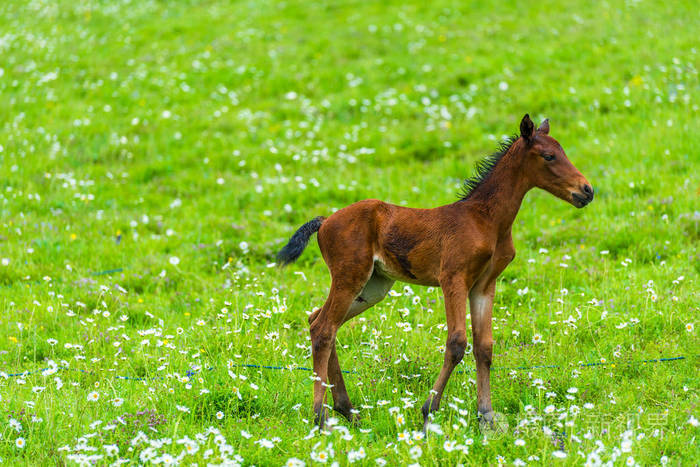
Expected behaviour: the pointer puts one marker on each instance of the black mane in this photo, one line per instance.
(484, 167)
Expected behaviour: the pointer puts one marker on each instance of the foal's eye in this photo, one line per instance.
(548, 157)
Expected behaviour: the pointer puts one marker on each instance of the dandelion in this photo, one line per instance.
(94, 396)
(20, 442)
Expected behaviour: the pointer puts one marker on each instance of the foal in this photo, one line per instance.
(461, 247)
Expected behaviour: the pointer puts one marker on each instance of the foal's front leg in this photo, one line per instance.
(481, 305)
(454, 289)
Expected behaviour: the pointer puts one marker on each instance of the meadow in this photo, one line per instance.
(154, 157)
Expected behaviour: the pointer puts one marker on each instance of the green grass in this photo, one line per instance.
(208, 131)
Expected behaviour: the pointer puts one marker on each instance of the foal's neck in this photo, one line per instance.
(500, 195)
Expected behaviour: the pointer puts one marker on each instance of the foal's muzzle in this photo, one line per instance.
(584, 197)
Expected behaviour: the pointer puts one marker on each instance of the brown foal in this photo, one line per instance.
(462, 247)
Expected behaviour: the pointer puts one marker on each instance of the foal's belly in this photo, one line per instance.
(400, 272)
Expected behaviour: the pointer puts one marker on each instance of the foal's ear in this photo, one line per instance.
(544, 127)
(527, 128)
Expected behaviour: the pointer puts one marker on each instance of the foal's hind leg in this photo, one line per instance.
(373, 292)
(348, 280)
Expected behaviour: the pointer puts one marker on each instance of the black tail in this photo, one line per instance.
(298, 242)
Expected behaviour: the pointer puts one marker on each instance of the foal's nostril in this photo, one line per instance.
(588, 190)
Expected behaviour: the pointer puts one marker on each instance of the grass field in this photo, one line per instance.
(154, 157)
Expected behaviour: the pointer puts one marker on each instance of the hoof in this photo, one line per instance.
(487, 417)
(320, 419)
(493, 424)
(349, 414)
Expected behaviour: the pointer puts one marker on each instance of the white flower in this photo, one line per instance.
(266, 443)
(94, 396)
(537, 339)
(219, 415)
(111, 449)
(16, 425)
(243, 246)
(449, 446)
(294, 462)
(434, 427)
(321, 457)
(356, 455)
(6, 261)
(559, 454)
(20, 442)
(415, 452)
(689, 327)
(174, 260)
(693, 421)
(520, 442)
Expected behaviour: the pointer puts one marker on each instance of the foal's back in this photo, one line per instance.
(401, 243)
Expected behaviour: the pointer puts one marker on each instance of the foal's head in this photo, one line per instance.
(548, 167)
